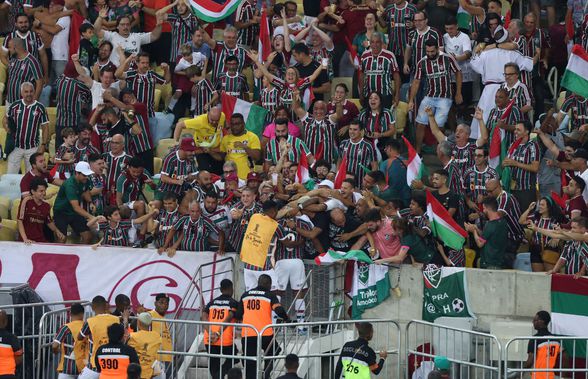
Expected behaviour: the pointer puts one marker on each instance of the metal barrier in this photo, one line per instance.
(23, 321)
(318, 349)
(46, 361)
(553, 356)
(473, 354)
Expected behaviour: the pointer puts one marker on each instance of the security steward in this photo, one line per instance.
(357, 359)
(113, 359)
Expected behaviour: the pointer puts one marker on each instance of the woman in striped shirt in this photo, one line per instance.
(544, 249)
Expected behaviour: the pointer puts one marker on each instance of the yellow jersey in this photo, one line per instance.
(96, 328)
(162, 328)
(238, 154)
(205, 134)
(146, 343)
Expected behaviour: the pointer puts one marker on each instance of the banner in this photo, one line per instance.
(72, 272)
(371, 286)
(445, 293)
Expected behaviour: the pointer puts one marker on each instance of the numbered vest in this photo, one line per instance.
(353, 368)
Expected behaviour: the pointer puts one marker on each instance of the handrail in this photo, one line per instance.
(47, 304)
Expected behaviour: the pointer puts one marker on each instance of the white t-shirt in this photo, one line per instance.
(197, 60)
(458, 45)
(584, 175)
(60, 43)
(131, 44)
(97, 92)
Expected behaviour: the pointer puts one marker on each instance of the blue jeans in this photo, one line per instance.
(160, 126)
(440, 106)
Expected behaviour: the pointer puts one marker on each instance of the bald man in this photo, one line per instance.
(319, 128)
(10, 350)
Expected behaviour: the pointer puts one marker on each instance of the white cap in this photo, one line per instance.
(327, 183)
(84, 168)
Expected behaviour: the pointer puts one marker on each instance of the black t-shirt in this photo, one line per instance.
(306, 71)
(121, 127)
(448, 200)
(114, 358)
(351, 223)
(322, 220)
(532, 346)
(290, 375)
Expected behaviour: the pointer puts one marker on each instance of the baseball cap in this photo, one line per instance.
(232, 177)
(327, 183)
(500, 34)
(145, 318)
(581, 153)
(442, 363)
(84, 168)
(188, 144)
(254, 176)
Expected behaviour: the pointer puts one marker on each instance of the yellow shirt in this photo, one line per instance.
(98, 328)
(204, 133)
(146, 344)
(163, 330)
(238, 155)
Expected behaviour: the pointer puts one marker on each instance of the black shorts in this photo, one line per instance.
(77, 223)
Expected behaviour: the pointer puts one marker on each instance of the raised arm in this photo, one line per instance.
(324, 36)
(434, 126)
(484, 136)
(98, 23)
(254, 58)
(472, 9)
(121, 70)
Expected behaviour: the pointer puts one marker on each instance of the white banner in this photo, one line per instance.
(72, 272)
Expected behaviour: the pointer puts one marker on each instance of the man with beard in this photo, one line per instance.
(22, 67)
(357, 152)
(34, 44)
(241, 146)
(320, 128)
(94, 197)
(201, 187)
(496, 117)
(82, 148)
(103, 62)
(38, 170)
(218, 214)
(176, 171)
(222, 49)
(295, 146)
(342, 224)
(116, 163)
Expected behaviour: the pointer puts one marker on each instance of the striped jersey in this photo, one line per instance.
(297, 252)
(525, 153)
(166, 220)
(232, 85)
(32, 40)
(175, 168)
(272, 153)
(515, 116)
(455, 180)
(464, 156)
(360, 156)
(220, 54)
(131, 187)
(219, 217)
(519, 92)
(117, 235)
(376, 122)
(239, 226)
(323, 53)
(182, 29)
(66, 341)
(377, 72)
(575, 254)
(437, 72)
(139, 143)
(83, 152)
(72, 96)
(285, 89)
(279, 235)
(539, 39)
(320, 132)
(28, 120)
(201, 95)
(245, 13)
(143, 85)
(395, 17)
(476, 26)
(195, 233)
(578, 110)
(509, 206)
(417, 43)
(27, 69)
(474, 181)
(63, 168)
(99, 200)
(269, 98)
(115, 166)
(523, 48)
(544, 223)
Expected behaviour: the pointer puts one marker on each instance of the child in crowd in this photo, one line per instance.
(182, 82)
(115, 229)
(65, 155)
(87, 53)
(202, 90)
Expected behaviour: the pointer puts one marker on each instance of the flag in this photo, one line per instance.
(332, 256)
(576, 75)
(74, 32)
(569, 310)
(498, 147)
(505, 176)
(463, 18)
(302, 175)
(341, 172)
(414, 165)
(307, 96)
(211, 11)
(445, 293)
(559, 200)
(443, 226)
(353, 53)
(253, 114)
(265, 44)
(370, 287)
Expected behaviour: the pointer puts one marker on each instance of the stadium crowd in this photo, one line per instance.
(148, 148)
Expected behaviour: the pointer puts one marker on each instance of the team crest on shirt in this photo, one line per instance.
(387, 237)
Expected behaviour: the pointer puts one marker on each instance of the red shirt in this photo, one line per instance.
(34, 217)
(25, 182)
(150, 21)
(577, 204)
(350, 112)
(355, 21)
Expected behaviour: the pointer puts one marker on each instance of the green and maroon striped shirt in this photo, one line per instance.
(526, 154)
(23, 70)
(72, 97)
(437, 72)
(513, 118)
(139, 143)
(239, 226)
(182, 29)
(166, 221)
(377, 72)
(417, 43)
(33, 43)
(220, 54)
(397, 32)
(117, 235)
(28, 120)
(202, 93)
(245, 13)
(196, 233)
(232, 85)
(272, 153)
(320, 132)
(175, 168)
(361, 153)
(376, 123)
(578, 109)
(575, 254)
(115, 166)
(143, 85)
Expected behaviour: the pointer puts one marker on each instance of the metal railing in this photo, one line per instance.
(553, 356)
(318, 349)
(23, 321)
(46, 362)
(472, 354)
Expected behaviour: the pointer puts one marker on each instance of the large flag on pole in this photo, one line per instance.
(498, 148)
(569, 310)
(253, 114)
(414, 164)
(576, 75)
(211, 11)
(443, 226)
(265, 44)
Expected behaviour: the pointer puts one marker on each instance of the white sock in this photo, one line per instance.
(172, 103)
(300, 307)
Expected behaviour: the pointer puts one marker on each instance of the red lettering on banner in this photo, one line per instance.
(63, 266)
(175, 300)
